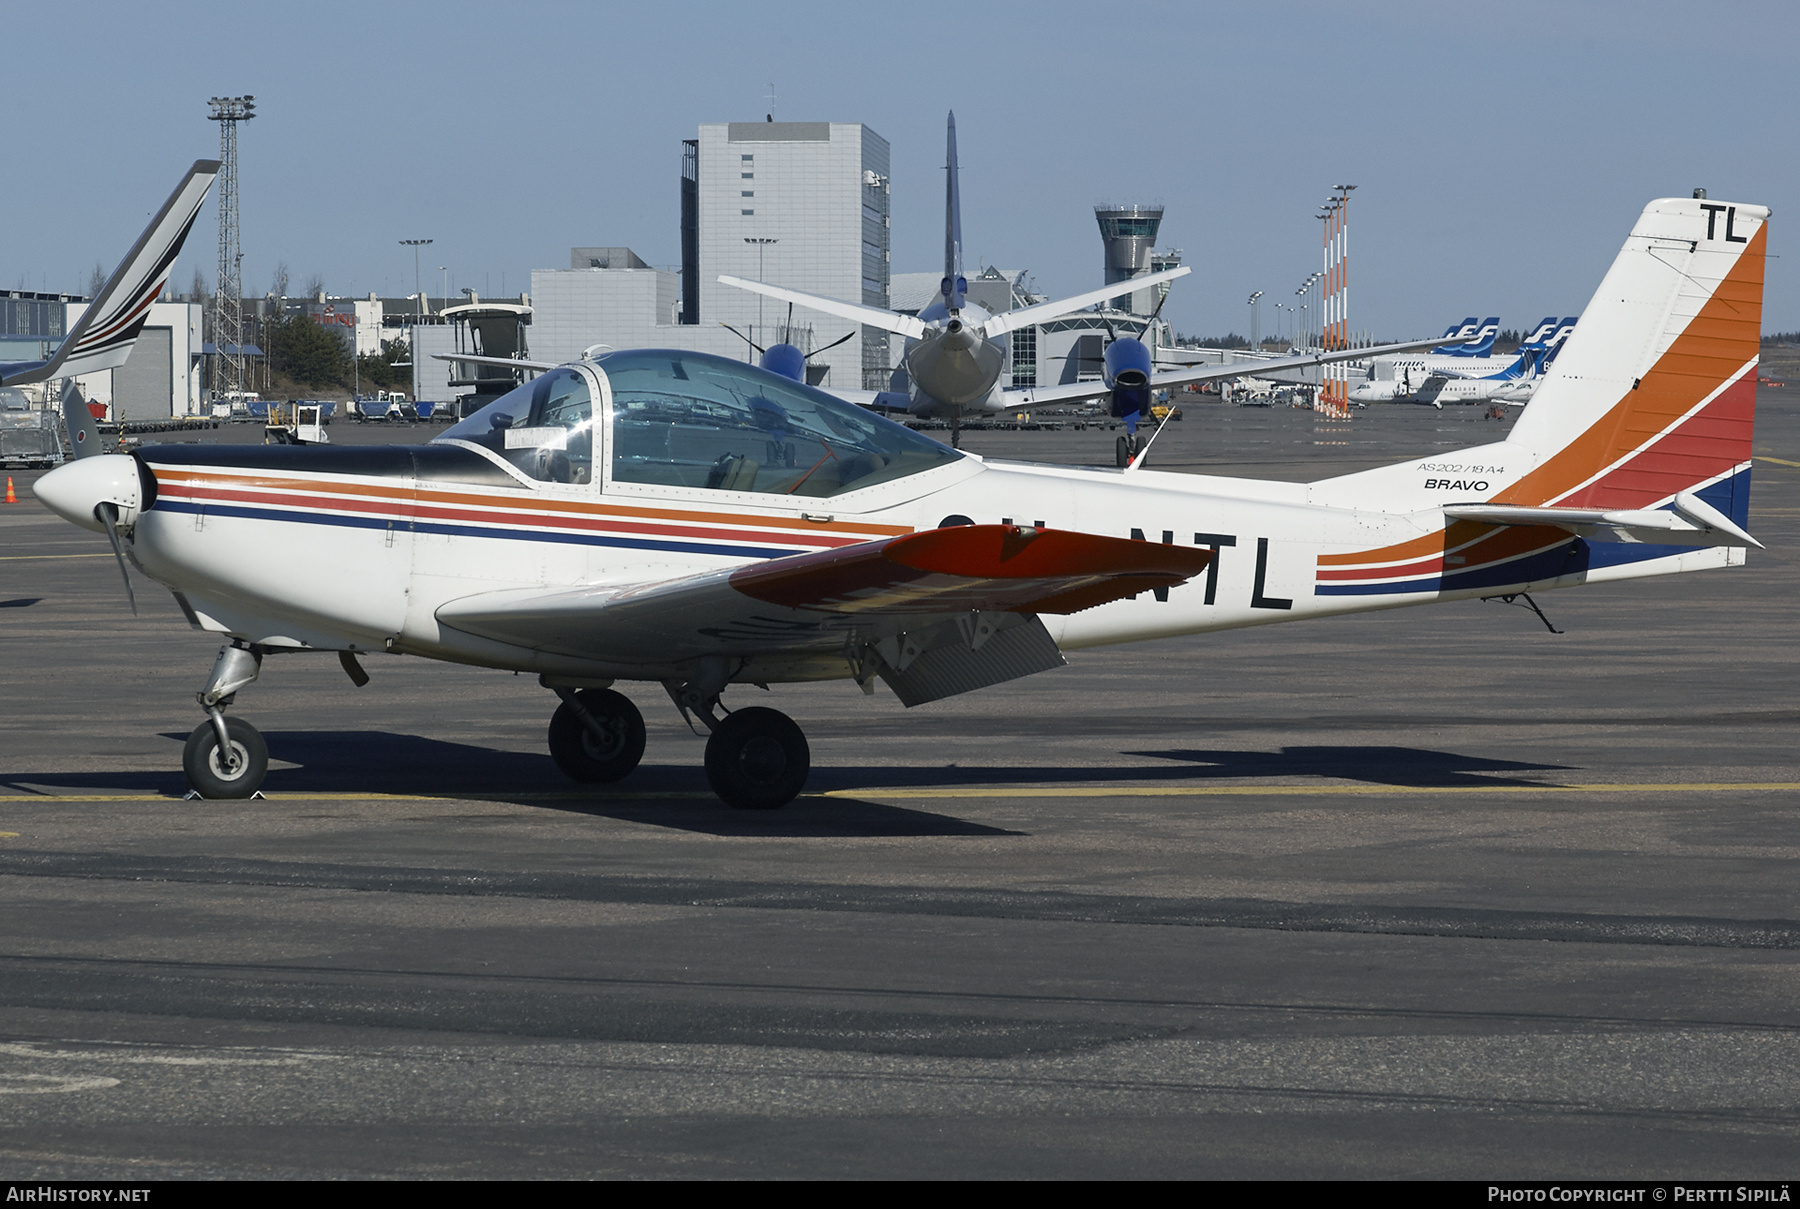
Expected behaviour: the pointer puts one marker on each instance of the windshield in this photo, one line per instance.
(695, 420)
(545, 428)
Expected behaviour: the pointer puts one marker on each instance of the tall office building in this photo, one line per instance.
(797, 204)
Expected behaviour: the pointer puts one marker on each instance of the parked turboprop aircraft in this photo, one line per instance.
(619, 519)
(955, 350)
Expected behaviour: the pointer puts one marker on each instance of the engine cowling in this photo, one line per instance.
(1127, 374)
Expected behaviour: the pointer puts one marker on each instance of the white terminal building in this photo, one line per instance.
(797, 204)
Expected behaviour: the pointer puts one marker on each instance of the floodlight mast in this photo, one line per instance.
(228, 293)
(762, 245)
(418, 290)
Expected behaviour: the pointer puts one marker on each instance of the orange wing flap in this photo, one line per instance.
(991, 568)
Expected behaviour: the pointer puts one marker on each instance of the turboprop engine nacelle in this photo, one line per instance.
(786, 360)
(1126, 369)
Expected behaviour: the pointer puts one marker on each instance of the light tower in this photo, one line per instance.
(762, 246)
(418, 290)
(228, 299)
(1336, 309)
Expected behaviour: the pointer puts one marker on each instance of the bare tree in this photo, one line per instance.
(197, 291)
(96, 280)
(279, 288)
(315, 285)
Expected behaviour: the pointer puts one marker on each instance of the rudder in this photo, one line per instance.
(1655, 392)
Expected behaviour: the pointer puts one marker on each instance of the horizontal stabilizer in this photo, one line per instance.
(1690, 521)
(904, 325)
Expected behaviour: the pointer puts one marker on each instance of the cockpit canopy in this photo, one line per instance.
(693, 420)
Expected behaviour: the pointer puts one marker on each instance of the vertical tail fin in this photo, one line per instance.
(1469, 338)
(1456, 334)
(1546, 328)
(1655, 393)
(84, 435)
(955, 286)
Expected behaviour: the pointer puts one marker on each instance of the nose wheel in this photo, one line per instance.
(757, 759)
(228, 765)
(226, 757)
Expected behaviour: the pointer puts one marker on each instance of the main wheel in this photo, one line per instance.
(757, 759)
(1122, 452)
(586, 757)
(237, 773)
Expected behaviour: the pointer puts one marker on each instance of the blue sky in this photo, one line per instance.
(1501, 152)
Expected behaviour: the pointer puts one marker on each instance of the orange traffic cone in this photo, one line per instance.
(10, 497)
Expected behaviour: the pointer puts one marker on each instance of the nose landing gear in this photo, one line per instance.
(229, 767)
(226, 757)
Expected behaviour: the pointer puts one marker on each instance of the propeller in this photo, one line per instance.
(753, 344)
(108, 513)
(833, 344)
(760, 349)
(1154, 315)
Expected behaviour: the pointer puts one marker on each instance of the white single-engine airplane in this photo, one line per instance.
(667, 516)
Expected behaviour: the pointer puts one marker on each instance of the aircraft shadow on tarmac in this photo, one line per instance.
(372, 762)
(375, 763)
(20, 602)
(1411, 767)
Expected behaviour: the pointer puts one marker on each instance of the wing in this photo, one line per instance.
(104, 335)
(506, 362)
(884, 401)
(1037, 396)
(922, 610)
(1044, 312)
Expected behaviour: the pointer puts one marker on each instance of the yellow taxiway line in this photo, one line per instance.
(943, 792)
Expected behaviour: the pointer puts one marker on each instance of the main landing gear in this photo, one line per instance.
(226, 757)
(756, 759)
(1128, 447)
(596, 735)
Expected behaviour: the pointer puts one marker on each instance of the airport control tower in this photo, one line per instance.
(1129, 232)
